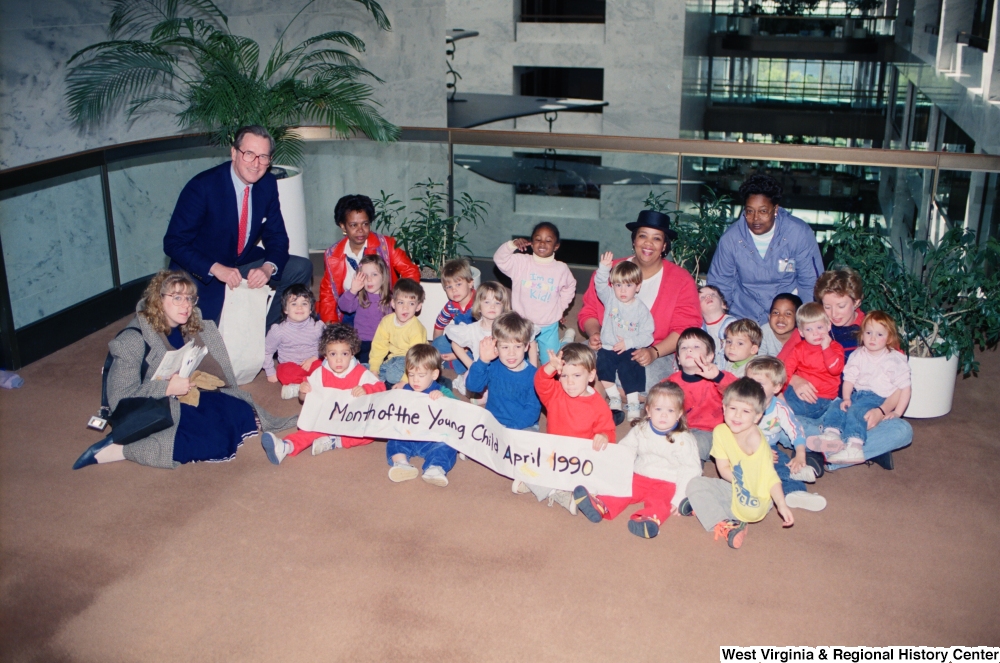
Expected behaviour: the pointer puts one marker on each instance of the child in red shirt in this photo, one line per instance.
(572, 408)
(338, 345)
(818, 360)
(702, 383)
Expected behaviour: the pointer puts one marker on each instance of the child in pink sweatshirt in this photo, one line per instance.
(542, 288)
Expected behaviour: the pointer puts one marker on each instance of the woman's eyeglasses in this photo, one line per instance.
(183, 299)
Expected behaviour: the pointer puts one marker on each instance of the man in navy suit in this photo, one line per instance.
(221, 215)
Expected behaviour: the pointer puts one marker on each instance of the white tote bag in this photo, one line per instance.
(242, 327)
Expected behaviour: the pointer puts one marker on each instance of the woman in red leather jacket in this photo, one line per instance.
(354, 215)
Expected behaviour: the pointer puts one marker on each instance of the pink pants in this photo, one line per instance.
(655, 494)
(303, 439)
(289, 373)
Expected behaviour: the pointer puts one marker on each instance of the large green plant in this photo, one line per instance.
(944, 295)
(179, 56)
(698, 231)
(429, 235)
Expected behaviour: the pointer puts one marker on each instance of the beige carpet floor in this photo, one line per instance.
(323, 559)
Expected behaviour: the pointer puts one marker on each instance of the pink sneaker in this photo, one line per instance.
(824, 443)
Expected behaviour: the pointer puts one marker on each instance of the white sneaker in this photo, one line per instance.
(568, 336)
(274, 447)
(519, 487)
(322, 444)
(400, 472)
(800, 499)
(458, 385)
(806, 474)
(435, 476)
(290, 391)
(614, 402)
(462, 457)
(563, 498)
(852, 454)
(633, 412)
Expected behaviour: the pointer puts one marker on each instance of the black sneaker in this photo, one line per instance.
(645, 528)
(884, 461)
(684, 508)
(815, 460)
(618, 416)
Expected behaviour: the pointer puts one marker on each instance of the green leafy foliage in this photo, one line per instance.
(698, 231)
(179, 56)
(428, 234)
(944, 296)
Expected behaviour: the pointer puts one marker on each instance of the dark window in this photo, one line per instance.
(982, 18)
(575, 251)
(956, 140)
(559, 179)
(562, 11)
(572, 82)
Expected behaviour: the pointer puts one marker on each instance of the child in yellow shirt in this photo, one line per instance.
(398, 332)
(749, 483)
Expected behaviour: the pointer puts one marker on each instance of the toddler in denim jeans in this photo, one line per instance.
(873, 373)
(818, 360)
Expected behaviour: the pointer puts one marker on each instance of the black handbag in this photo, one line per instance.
(134, 418)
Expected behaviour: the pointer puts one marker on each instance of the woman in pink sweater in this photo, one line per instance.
(542, 288)
(667, 290)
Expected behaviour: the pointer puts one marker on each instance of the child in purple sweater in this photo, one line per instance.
(295, 339)
(369, 299)
(542, 288)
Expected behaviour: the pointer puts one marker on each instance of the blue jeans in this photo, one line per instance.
(788, 485)
(433, 453)
(631, 375)
(888, 436)
(800, 407)
(443, 346)
(852, 423)
(391, 370)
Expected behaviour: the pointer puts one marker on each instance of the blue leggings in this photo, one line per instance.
(433, 453)
(443, 346)
(548, 339)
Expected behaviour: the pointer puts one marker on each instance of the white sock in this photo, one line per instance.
(633, 398)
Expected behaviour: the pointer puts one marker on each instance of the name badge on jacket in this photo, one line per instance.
(786, 265)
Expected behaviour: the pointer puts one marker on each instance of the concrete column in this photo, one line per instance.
(956, 16)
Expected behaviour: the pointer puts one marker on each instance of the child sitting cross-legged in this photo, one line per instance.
(742, 344)
(627, 325)
(492, 299)
(572, 408)
(338, 345)
(510, 378)
(423, 367)
(457, 281)
(702, 383)
(666, 460)
(294, 338)
(715, 313)
(743, 459)
(398, 332)
(781, 426)
(873, 373)
(817, 361)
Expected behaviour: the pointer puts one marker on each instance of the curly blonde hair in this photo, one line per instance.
(164, 283)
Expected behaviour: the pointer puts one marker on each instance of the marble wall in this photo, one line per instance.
(55, 244)
(37, 38)
(640, 49)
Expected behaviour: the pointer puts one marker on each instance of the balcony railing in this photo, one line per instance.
(80, 235)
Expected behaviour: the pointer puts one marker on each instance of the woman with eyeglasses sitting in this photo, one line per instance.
(208, 425)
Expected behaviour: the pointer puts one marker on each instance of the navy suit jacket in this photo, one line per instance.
(204, 227)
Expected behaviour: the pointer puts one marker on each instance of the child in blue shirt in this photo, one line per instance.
(510, 378)
(780, 425)
(423, 367)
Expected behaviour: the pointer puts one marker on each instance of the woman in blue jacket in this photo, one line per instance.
(767, 251)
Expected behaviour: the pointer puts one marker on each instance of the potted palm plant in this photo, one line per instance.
(944, 296)
(179, 57)
(430, 236)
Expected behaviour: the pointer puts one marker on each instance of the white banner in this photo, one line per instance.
(552, 461)
(242, 328)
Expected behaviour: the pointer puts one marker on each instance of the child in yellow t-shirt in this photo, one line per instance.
(398, 332)
(743, 458)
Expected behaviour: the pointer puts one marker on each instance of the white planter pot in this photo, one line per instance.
(933, 386)
(293, 210)
(435, 299)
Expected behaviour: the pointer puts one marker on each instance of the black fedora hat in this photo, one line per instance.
(651, 219)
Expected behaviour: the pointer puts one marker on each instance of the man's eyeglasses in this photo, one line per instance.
(250, 157)
(183, 299)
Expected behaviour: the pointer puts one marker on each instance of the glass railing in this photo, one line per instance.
(81, 235)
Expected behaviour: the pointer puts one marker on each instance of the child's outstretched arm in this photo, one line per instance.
(778, 496)
(505, 258)
(555, 363)
(726, 470)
